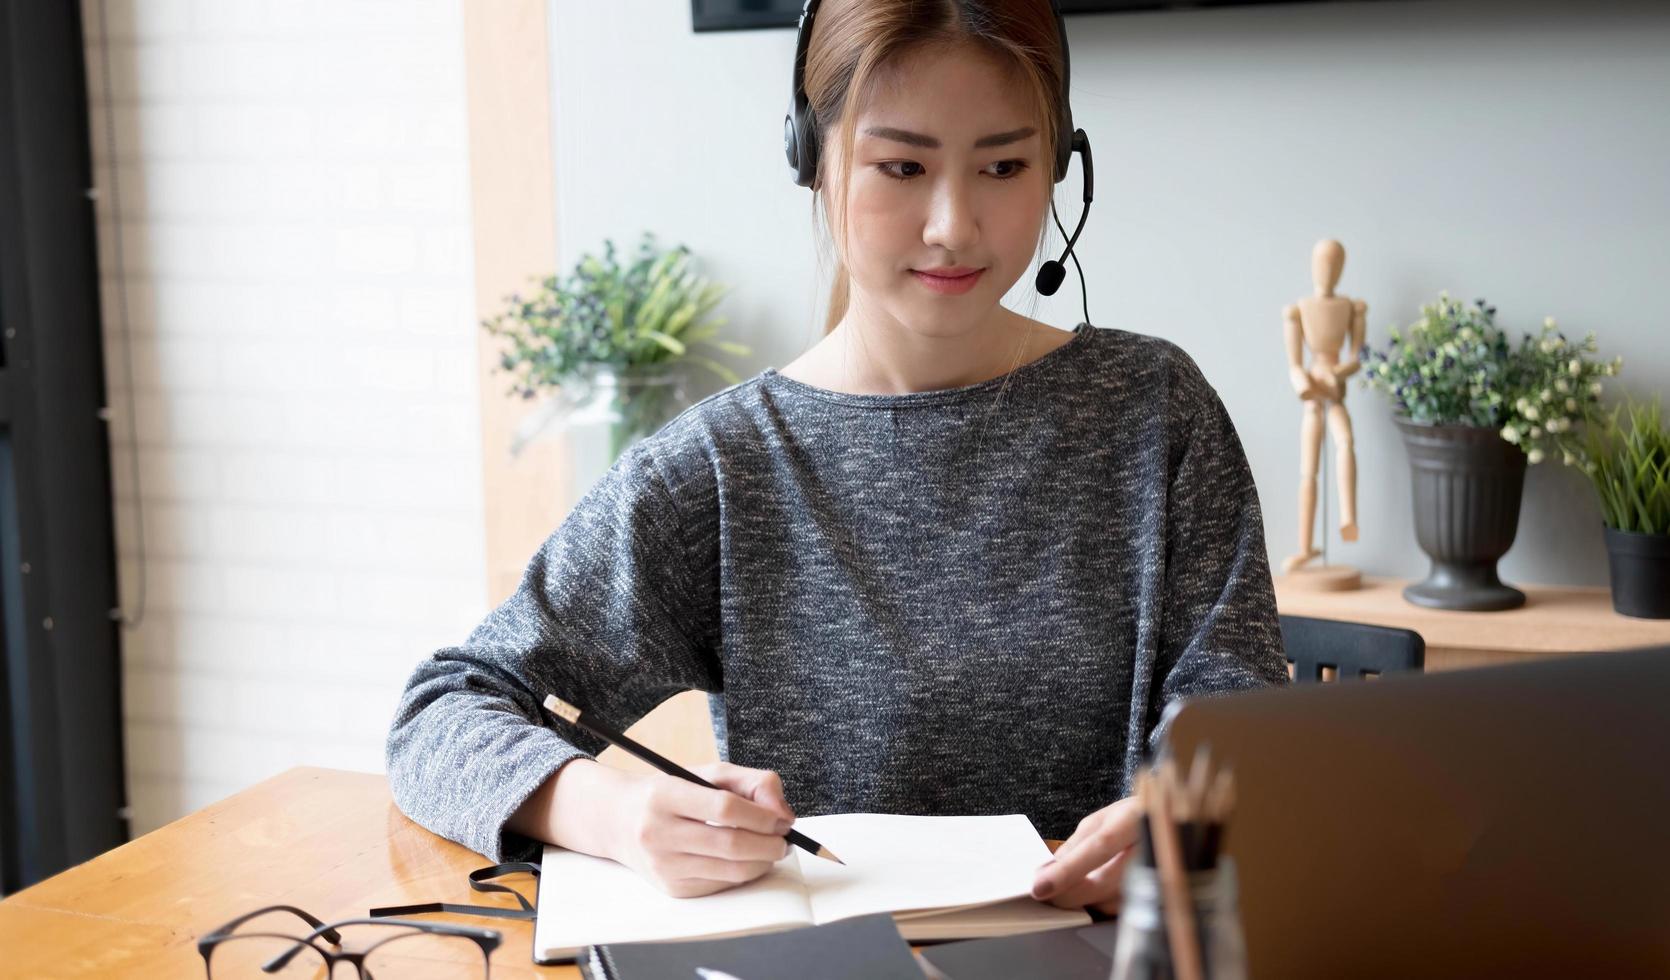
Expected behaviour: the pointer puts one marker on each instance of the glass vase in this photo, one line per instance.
(602, 413)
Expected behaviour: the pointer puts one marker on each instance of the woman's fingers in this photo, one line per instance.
(1099, 838)
(761, 786)
(719, 806)
(1100, 886)
(691, 839)
(697, 837)
(716, 869)
(732, 834)
(1065, 873)
(687, 867)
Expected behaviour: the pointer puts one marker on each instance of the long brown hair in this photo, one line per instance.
(854, 41)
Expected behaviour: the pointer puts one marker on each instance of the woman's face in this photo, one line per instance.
(948, 170)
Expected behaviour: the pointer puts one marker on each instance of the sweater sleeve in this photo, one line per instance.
(608, 616)
(1221, 631)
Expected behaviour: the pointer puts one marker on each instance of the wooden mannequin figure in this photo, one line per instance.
(1324, 323)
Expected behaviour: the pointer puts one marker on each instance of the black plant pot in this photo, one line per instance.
(1640, 565)
(1468, 482)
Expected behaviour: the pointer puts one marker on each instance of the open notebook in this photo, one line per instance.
(940, 877)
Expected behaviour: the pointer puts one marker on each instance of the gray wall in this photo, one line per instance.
(1516, 152)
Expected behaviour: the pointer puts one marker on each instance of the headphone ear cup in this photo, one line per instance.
(791, 147)
(811, 150)
(800, 143)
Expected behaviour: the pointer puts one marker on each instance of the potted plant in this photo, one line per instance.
(1474, 410)
(607, 346)
(1630, 470)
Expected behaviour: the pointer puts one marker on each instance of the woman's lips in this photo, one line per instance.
(950, 286)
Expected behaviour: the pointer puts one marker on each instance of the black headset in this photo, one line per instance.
(800, 144)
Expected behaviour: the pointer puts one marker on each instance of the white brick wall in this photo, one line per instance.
(295, 234)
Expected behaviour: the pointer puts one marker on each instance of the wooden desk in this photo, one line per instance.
(1554, 620)
(324, 840)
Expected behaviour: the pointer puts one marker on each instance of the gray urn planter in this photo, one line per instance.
(1467, 482)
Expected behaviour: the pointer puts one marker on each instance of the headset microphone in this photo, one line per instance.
(1051, 273)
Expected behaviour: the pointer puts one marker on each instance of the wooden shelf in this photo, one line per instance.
(1554, 620)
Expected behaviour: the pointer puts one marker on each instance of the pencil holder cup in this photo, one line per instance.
(1140, 949)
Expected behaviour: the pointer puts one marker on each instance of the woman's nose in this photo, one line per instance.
(953, 222)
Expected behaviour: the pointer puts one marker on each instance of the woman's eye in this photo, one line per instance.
(887, 169)
(1015, 168)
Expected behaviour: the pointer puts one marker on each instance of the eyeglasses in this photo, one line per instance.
(268, 943)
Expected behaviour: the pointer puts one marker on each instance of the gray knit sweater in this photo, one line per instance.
(970, 600)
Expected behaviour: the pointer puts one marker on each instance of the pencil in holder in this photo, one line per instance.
(1180, 915)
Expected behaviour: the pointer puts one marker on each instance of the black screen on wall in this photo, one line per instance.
(738, 15)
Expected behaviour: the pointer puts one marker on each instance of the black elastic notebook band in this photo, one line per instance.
(480, 880)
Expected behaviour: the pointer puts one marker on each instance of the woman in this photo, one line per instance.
(950, 560)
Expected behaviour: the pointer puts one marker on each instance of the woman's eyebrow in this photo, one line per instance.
(918, 139)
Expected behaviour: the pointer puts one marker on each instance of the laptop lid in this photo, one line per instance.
(1509, 820)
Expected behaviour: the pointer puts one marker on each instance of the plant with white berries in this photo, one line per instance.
(1455, 366)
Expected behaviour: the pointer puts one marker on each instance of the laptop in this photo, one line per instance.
(1501, 821)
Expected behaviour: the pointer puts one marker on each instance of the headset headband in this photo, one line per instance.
(800, 134)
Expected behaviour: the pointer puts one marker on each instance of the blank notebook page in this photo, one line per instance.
(897, 863)
(913, 866)
(585, 899)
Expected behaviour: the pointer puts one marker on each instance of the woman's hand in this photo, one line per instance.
(666, 828)
(1088, 867)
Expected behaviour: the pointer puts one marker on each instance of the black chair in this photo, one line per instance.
(1354, 650)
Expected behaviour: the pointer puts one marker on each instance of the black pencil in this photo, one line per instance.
(569, 713)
